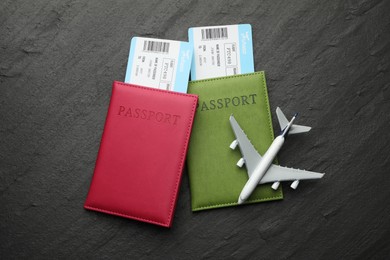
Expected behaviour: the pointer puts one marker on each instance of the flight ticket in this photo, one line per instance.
(221, 51)
(158, 63)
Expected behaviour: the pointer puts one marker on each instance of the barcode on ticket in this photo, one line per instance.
(154, 46)
(214, 33)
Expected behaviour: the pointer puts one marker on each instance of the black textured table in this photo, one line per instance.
(329, 60)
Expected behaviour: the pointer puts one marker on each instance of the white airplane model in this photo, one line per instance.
(260, 169)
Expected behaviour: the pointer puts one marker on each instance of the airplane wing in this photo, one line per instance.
(278, 173)
(249, 153)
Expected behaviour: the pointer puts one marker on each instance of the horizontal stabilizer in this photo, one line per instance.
(283, 122)
(297, 129)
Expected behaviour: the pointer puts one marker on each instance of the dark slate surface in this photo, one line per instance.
(329, 60)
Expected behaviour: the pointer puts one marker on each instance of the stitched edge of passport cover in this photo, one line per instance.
(276, 194)
(180, 162)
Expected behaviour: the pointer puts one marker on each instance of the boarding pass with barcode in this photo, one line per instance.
(157, 63)
(221, 51)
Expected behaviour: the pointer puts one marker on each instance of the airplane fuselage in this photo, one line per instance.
(265, 163)
(261, 168)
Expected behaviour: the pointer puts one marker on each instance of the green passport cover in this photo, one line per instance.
(215, 180)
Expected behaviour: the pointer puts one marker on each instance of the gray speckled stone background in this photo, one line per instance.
(329, 60)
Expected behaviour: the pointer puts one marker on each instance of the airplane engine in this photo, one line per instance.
(240, 162)
(294, 185)
(233, 145)
(275, 186)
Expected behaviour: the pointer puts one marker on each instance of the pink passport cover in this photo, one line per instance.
(142, 152)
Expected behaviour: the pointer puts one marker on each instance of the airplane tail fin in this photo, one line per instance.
(283, 122)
